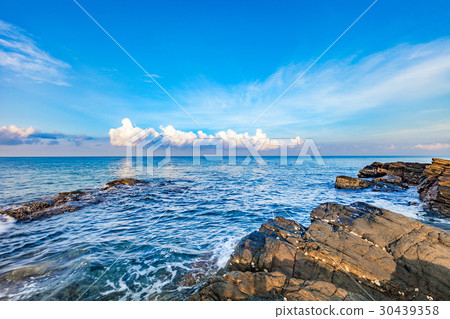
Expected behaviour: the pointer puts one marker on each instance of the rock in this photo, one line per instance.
(347, 182)
(396, 180)
(434, 187)
(388, 187)
(355, 252)
(410, 173)
(125, 181)
(63, 202)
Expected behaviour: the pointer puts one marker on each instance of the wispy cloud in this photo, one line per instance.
(433, 147)
(20, 56)
(334, 91)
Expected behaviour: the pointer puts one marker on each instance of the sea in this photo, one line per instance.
(160, 241)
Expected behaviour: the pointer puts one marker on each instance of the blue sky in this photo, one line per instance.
(382, 89)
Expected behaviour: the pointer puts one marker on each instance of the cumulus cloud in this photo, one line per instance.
(433, 147)
(13, 135)
(121, 136)
(20, 56)
(128, 135)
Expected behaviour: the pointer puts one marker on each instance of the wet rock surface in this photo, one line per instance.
(434, 187)
(409, 173)
(355, 252)
(347, 182)
(125, 181)
(63, 202)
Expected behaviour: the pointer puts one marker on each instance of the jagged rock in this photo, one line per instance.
(410, 173)
(125, 181)
(355, 252)
(347, 182)
(434, 187)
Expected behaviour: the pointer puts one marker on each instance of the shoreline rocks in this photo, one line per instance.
(347, 182)
(409, 173)
(433, 181)
(355, 252)
(434, 187)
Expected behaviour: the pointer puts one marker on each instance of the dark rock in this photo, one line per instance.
(388, 187)
(125, 181)
(434, 187)
(347, 182)
(356, 252)
(410, 173)
(63, 202)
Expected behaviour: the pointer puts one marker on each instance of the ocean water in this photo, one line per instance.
(148, 242)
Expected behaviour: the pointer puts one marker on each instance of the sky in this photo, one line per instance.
(67, 88)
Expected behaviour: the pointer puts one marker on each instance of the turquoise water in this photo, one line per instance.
(143, 242)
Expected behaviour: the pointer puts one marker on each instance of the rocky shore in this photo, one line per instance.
(433, 181)
(355, 252)
(434, 186)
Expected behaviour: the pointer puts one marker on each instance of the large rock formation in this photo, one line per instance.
(410, 173)
(356, 252)
(434, 187)
(347, 182)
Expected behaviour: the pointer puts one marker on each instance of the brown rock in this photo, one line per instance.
(434, 187)
(347, 182)
(410, 173)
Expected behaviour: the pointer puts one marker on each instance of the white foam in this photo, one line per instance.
(224, 251)
(6, 222)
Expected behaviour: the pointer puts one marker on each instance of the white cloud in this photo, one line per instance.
(127, 135)
(20, 56)
(433, 147)
(12, 135)
(121, 136)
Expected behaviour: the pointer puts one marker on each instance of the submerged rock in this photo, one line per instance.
(434, 187)
(388, 187)
(125, 181)
(410, 173)
(347, 182)
(63, 202)
(355, 252)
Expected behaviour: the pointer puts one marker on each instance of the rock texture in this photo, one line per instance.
(410, 173)
(434, 187)
(347, 182)
(355, 252)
